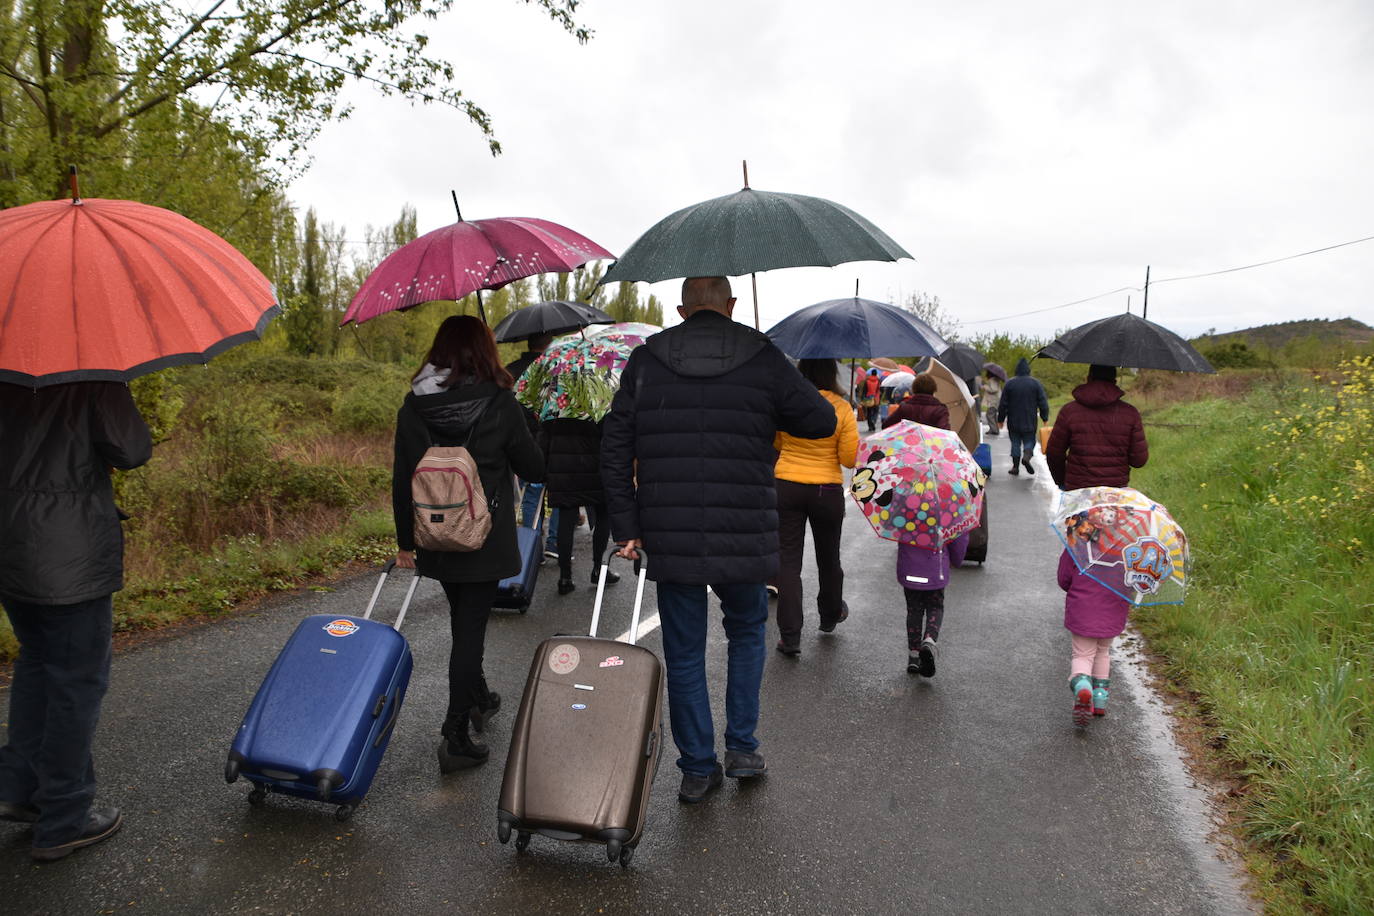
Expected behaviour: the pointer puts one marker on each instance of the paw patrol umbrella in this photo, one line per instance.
(918, 485)
(1126, 541)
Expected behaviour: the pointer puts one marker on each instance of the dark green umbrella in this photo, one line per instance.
(1127, 340)
(751, 231)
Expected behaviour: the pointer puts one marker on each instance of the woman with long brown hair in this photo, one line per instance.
(462, 396)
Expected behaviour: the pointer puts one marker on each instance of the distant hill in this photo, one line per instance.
(1274, 336)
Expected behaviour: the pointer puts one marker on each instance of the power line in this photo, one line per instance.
(1136, 289)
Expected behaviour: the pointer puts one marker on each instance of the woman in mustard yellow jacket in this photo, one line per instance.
(810, 481)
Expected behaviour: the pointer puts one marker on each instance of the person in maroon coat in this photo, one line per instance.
(1097, 437)
(922, 406)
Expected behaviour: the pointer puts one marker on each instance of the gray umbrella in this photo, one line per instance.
(1127, 340)
(751, 231)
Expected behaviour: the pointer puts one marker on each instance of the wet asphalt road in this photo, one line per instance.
(967, 793)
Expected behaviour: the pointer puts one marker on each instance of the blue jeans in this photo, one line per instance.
(682, 608)
(60, 678)
(529, 504)
(1022, 443)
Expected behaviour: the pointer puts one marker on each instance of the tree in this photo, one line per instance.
(264, 76)
(928, 309)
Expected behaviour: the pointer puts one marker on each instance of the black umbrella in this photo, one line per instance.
(1127, 340)
(552, 317)
(751, 231)
(964, 361)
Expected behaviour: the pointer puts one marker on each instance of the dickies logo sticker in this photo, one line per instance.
(341, 627)
(615, 661)
(564, 659)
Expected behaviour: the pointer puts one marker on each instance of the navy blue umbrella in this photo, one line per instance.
(855, 328)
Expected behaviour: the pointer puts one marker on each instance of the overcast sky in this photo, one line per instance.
(1027, 155)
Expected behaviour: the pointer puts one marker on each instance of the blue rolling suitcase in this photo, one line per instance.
(516, 592)
(324, 714)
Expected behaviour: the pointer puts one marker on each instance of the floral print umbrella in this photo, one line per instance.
(918, 485)
(1126, 541)
(577, 376)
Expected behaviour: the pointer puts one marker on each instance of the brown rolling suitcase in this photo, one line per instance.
(586, 742)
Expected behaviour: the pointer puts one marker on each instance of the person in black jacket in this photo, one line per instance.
(462, 396)
(687, 459)
(572, 451)
(1022, 398)
(61, 561)
(529, 501)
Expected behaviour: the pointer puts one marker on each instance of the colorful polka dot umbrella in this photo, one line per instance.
(918, 485)
(1126, 541)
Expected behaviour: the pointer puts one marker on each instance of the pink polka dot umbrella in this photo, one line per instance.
(918, 485)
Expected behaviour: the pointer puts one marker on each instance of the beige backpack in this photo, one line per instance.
(449, 504)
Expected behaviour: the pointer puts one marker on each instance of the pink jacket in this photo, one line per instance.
(1090, 608)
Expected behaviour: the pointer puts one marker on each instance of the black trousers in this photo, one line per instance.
(469, 606)
(821, 506)
(567, 525)
(60, 678)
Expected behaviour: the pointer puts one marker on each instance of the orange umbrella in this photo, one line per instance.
(94, 290)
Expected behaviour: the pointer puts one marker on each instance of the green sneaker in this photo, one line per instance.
(1100, 685)
(1082, 687)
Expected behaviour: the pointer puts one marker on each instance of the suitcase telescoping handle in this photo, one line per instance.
(405, 605)
(641, 561)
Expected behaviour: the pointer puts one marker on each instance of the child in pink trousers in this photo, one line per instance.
(1095, 616)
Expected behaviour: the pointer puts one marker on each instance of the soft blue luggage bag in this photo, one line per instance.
(321, 721)
(982, 456)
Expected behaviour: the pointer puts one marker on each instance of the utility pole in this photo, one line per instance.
(1145, 306)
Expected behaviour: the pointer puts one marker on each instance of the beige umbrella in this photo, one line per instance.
(954, 394)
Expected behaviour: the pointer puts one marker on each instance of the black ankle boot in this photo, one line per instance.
(565, 586)
(480, 714)
(457, 751)
(1015, 467)
(1027, 462)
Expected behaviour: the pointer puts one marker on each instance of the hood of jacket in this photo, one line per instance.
(450, 415)
(1097, 393)
(1023, 366)
(706, 345)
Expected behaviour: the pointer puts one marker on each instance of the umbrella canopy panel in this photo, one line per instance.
(852, 328)
(552, 317)
(954, 394)
(1127, 340)
(751, 231)
(963, 360)
(95, 289)
(457, 260)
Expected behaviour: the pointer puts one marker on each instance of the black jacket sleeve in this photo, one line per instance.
(618, 453)
(118, 433)
(411, 442)
(523, 453)
(802, 410)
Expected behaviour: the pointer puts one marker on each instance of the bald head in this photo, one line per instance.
(706, 293)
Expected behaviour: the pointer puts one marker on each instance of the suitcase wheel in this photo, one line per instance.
(503, 832)
(344, 812)
(522, 839)
(524, 608)
(626, 854)
(257, 796)
(614, 850)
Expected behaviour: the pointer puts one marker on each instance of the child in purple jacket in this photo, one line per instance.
(1095, 616)
(923, 575)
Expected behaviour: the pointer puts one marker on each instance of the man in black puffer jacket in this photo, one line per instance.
(61, 561)
(687, 459)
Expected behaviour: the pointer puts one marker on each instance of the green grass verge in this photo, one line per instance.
(1276, 641)
(240, 570)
